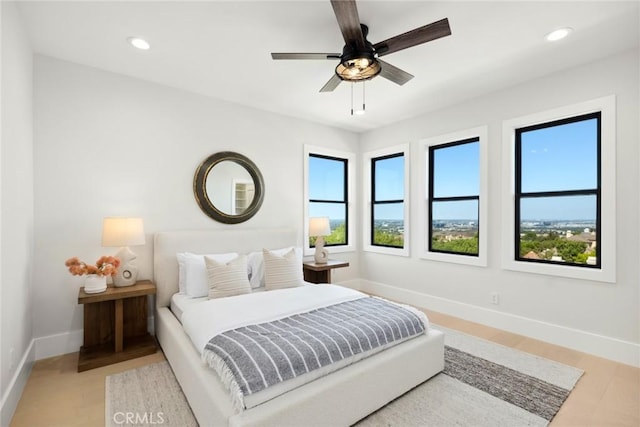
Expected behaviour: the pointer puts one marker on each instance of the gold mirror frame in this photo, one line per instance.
(200, 187)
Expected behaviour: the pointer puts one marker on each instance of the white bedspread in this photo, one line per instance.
(204, 320)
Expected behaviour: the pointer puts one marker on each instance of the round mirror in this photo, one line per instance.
(228, 187)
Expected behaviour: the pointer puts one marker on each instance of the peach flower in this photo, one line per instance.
(105, 266)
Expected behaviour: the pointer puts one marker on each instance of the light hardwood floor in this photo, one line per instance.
(608, 394)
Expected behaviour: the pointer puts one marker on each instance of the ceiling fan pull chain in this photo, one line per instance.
(358, 112)
(352, 84)
(363, 109)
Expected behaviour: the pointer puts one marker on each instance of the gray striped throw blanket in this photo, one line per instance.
(259, 356)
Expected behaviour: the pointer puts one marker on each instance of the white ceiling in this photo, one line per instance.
(222, 49)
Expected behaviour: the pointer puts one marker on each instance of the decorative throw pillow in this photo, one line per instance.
(282, 271)
(255, 261)
(193, 272)
(227, 279)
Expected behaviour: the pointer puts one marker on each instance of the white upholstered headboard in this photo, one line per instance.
(168, 243)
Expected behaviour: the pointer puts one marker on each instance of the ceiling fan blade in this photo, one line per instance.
(349, 22)
(305, 55)
(424, 34)
(331, 84)
(393, 73)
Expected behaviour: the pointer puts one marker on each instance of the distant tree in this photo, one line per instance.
(338, 235)
(381, 237)
(527, 246)
(464, 246)
(552, 236)
(582, 258)
(571, 251)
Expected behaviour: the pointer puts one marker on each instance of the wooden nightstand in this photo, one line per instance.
(321, 273)
(115, 325)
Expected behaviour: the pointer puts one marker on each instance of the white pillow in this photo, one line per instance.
(227, 279)
(194, 273)
(255, 262)
(282, 272)
(182, 272)
(255, 266)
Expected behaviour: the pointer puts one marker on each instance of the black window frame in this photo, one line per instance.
(432, 199)
(597, 192)
(345, 201)
(375, 202)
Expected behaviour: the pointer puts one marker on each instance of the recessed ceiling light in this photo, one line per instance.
(558, 34)
(139, 43)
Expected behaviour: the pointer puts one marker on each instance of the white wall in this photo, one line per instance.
(529, 303)
(106, 144)
(16, 200)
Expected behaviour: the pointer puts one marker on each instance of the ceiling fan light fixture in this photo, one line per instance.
(361, 67)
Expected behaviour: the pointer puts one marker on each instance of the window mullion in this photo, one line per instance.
(585, 192)
(454, 198)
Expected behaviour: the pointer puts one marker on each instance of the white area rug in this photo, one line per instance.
(146, 396)
(484, 384)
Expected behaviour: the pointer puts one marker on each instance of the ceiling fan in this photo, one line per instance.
(360, 59)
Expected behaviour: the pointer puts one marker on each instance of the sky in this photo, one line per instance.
(553, 159)
(556, 159)
(326, 182)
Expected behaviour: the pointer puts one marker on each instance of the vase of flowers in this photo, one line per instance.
(95, 275)
(94, 284)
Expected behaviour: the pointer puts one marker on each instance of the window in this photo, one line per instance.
(562, 191)
(387, 198)
(454, 208)
(454, 197)
(328, 186)
(557, 188)
(387, 175)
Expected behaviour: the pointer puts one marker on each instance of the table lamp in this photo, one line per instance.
(319, 227)
(124, 232)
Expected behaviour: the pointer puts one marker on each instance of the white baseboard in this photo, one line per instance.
(599, 345)
(14, 390)
(68, 342)
(57, 344)
(353, 284)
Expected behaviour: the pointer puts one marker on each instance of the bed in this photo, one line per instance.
(352, 392)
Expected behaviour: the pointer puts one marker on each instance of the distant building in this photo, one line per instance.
(588, 237)
(532, 255)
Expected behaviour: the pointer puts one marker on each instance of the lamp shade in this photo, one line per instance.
(122, 232)
(319, 226)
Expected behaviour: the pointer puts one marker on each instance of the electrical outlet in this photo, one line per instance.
(495, 298)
